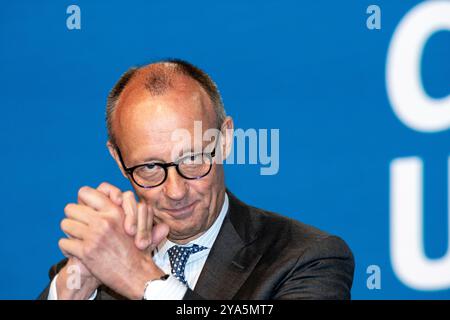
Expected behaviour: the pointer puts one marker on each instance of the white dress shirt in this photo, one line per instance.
(172, 288)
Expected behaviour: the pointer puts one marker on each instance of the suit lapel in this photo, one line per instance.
(232, 257)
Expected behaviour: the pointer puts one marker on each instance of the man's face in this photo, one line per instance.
(144, 127)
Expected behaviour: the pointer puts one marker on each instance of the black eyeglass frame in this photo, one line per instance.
(165, 167)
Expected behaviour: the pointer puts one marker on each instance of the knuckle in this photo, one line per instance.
(83, 190)
(68, 208)
(114, 213)
(129, 194)
(142, 235)
(61, 243)
(88, 250)
(133, 219)
(105, 226)
(91, 245)
(63, 224)
(103, 185)
(128, 222)
(142, 206)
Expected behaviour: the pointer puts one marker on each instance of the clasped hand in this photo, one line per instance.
(109, 240)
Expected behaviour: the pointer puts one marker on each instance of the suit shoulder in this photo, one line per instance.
(277, 223)
(292, 234)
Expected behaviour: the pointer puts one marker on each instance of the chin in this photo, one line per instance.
(181, 234)
(187, 228)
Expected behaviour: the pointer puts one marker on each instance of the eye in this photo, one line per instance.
(192, 159)
(149, 166)
(148, 170)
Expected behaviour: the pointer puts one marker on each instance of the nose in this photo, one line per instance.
(175, 186)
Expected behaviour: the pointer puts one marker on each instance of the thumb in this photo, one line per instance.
(159, 233)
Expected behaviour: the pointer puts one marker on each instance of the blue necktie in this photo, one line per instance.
(179, 256)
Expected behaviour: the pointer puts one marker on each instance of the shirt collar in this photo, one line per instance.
(206, 240)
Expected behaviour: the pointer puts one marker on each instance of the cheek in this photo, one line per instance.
(148, 196)
(211, 182)
(203, 191)
(206, 193)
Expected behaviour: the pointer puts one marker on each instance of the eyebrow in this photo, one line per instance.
(152, 160)
(184, 152)
(202, 149)
(191, 151)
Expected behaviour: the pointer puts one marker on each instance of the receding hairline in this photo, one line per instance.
(159, 77)
(181, 87)
(161, 82)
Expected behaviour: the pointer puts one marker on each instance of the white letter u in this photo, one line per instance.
(406, 234)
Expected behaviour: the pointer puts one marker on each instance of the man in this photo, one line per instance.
(188, 237)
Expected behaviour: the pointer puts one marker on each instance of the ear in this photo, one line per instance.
(114, 154)
(227, 132)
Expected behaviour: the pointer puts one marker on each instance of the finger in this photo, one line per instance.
(94, 199)
(80, 213)
(143, 236)
(159, 233)
(80, 201)
(149, 226)
(112, 192)
(73, 228)
(72, 247)
(130, 208)
(150, 220)
(65, 254)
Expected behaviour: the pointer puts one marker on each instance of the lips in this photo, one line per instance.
(182, 212)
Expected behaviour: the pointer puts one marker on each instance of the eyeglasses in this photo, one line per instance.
(153, 174)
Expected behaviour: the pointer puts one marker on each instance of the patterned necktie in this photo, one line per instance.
(179, 256)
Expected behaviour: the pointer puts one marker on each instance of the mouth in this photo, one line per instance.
(183, 212)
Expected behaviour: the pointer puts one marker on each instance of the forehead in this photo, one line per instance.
(145, 124)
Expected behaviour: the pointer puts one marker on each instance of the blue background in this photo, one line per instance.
(311, 69)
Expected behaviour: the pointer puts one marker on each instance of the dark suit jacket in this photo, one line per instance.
(262, 255)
